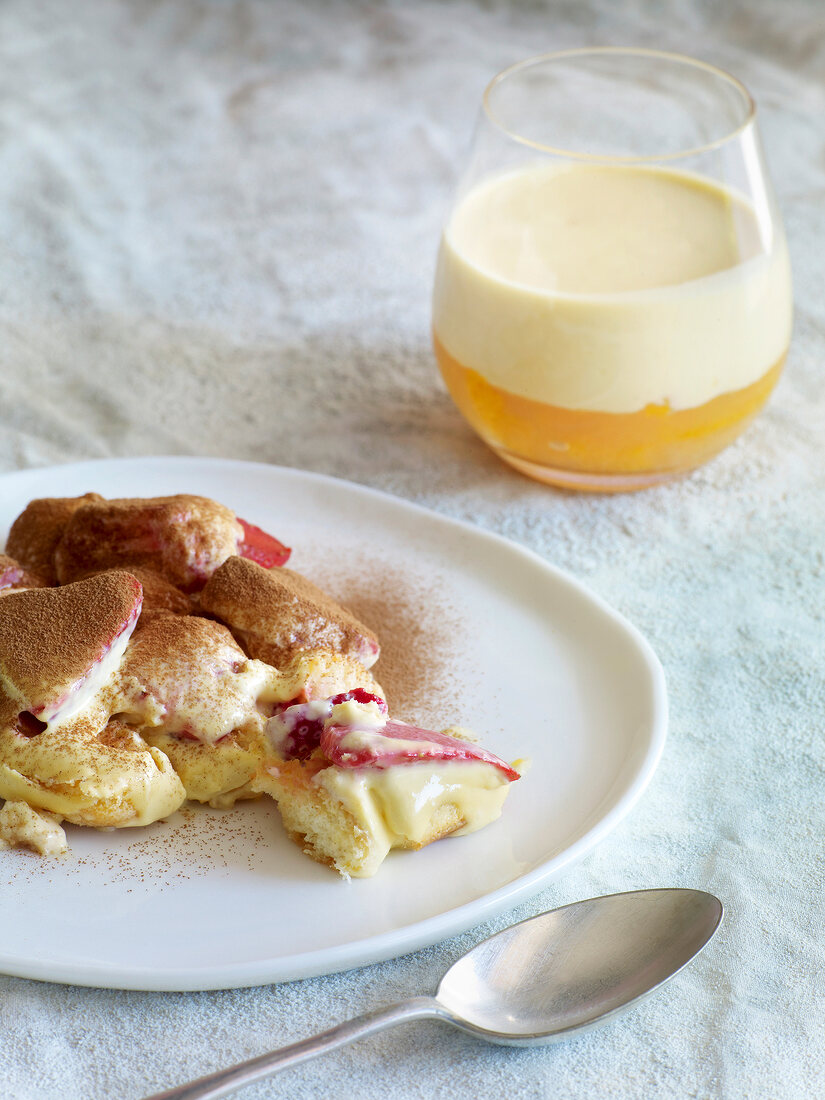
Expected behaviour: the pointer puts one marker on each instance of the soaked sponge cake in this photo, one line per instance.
(276, 613)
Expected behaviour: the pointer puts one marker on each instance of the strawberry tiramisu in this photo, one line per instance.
(153, 651)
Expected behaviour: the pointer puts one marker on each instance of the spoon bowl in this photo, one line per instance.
(574, 967)
(535, 982)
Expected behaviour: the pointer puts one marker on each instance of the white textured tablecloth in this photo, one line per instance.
(219, 223)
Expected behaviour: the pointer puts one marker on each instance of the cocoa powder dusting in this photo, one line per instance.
(277, 611)
(420, 631)
(38, 529)
(196, 842)
(50, 637)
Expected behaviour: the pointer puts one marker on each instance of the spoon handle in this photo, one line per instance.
(225, 1081)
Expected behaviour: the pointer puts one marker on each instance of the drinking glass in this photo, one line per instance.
(612, 300)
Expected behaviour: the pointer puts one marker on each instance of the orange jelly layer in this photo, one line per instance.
(654, 439)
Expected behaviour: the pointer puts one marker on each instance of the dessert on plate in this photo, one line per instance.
(158, 650)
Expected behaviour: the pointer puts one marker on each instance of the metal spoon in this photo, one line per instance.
(535, 982)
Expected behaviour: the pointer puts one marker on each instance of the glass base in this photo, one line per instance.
(578, 481)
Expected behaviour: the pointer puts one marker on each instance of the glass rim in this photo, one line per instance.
(630, 51)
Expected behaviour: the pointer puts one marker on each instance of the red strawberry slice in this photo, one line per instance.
(385, 748)
(258, 546)
(296, 729)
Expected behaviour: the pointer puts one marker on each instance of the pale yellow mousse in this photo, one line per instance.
(611, 288)
(571, 300)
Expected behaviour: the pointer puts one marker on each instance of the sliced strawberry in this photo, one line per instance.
(359, 695)
(258, 546)
(295, 731)
(296, 728)
(397, 743)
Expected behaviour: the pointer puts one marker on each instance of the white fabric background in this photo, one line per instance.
(219, 223)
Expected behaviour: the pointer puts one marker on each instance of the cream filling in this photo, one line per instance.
(700, 302)
(224, 704)
(397, 806)
(89, 784)
(23, 826)
(358, 740)
(366, 716)
(231, 705)
(86, 691)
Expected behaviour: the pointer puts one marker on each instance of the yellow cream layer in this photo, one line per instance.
(403, 806)
(69, 772)
(23, 827)
(611, 288)
(87, 771)
(210, 706)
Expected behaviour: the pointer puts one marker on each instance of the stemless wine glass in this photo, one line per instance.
(612, 302)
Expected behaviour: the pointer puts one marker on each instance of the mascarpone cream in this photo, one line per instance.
(21, 826)
(401, 806)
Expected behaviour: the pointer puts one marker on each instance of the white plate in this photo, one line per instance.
(498, 640)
